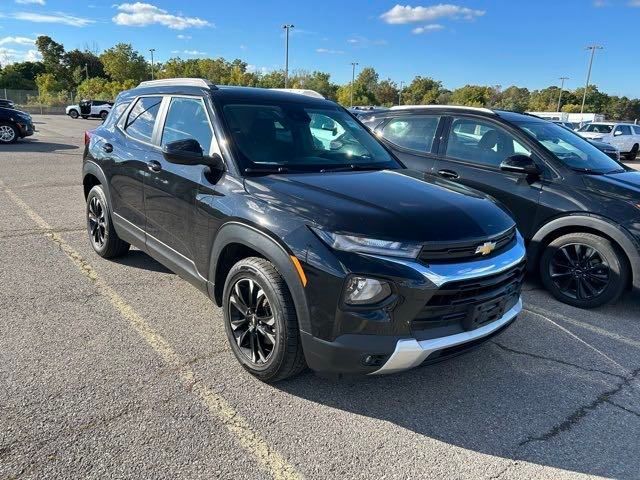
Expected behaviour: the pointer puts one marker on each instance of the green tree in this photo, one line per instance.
(21, 76)
(472, 96)
(317, 81)
(546, 100)
(76, 61)
(52, 53)
(513, 98)
(387, 93)
(422, 91)
(122, 62)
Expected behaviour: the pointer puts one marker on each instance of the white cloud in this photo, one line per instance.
(329, 51)
(11, 55)
(141, 14)
(243, 47)
(360, 41)
(634, 3)
(432, 27)
(17, 41)
(401, 14)
(193, 53)
(184, 37)
(255, 69)
(33, 56)
(30, 2)
(56, 17)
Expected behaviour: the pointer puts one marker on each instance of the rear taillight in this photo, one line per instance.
(87, 137)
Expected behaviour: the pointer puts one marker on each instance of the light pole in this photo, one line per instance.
(286, 27)
(400, 92)
(593, 49)
(152, 67)
(86, 70)
(353, 78)
(562, 79)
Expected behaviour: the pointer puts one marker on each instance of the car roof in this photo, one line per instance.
(507, 115)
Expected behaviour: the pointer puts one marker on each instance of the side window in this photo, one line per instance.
(142, 118)
(636, 130)
(415, 133)
(187, 118)
(481, 142)
(115, 114)
(623, 129)
(324, 130)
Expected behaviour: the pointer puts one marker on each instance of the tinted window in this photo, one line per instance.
(115, 114)
(187, 118)
(636, 130)
(302, 138)
(142, 118)
(597, 128)
(624, 129)
(482, 142)
(415, 133)
(569, 147)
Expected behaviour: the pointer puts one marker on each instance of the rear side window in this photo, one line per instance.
(636, 130)
(415, 133)
(142, 118)
(187, 118)
(115, 114)
(623, 129)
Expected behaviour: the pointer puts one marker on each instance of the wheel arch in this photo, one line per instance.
(93, 175)
(235, 241)
(587, 224)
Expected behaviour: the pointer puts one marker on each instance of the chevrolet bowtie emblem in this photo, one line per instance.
(486, 248)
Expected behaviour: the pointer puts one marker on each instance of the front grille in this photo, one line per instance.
(613, 154)
(438, 251)
(472, 303)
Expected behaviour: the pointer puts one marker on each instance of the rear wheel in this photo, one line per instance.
(74, 114)
(584, 270)
(102, 235)
(8, 133)
(633, 153)
(261, 322)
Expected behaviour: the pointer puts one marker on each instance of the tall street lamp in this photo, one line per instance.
(353, 78)
(562, 79)
(593, 49)
(400, 92)
(152, 67)
(286, 27)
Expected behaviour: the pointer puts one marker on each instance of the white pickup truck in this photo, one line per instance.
(624, 136)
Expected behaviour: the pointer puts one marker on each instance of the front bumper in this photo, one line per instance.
(26, 129)
(419, 325)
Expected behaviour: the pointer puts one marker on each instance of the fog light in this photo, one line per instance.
(362, 290)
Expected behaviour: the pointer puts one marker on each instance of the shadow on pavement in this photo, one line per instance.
(534, 393)
(33, 145)
(139, 259)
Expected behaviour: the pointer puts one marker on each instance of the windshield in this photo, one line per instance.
(296, 137)
(596, 128)
(571, 149)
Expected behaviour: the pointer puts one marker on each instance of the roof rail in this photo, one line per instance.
(300, 91)
(178, 82)
(455, 107)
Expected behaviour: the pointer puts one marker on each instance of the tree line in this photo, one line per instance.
(63, 74)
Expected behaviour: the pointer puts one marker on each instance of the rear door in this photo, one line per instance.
(472, 151)
(414, 139)
(622, 138)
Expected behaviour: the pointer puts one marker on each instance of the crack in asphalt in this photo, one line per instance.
(628, 410)
(556, 360)
(574, 418)
(39, 232)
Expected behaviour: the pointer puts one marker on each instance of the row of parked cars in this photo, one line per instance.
(357, 246)
(14, 124)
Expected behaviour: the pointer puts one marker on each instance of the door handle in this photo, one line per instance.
(107, 147)
(448, 174)
(154, 166)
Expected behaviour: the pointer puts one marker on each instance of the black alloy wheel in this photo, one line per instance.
(102, 235)
(97, 222)
(252, 321)
(579, 271)
(584, 270)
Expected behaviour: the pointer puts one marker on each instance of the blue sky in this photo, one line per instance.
(500, 42)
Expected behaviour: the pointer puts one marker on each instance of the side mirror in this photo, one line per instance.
(617, 133)
(520, 164)
(189, 152)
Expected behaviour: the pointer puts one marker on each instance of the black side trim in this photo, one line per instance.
(240, 233)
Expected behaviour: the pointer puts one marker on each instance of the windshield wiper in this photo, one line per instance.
(266, 169)
(351, 167)
(587, 170)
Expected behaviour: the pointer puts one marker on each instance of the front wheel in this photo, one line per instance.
(261, 322)
(633, 153)
(8, 133)
(584, 270)
(74, 114)
(102, 235)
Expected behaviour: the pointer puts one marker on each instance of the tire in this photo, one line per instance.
(255, 283)
(633, 153)
(84, 117)
(584, 270)
(102, 236)
(74, 114)
(8, 133)
(103, 115)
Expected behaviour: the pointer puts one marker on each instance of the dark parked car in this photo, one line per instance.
(320, 252)
(4, 103)
(14, 124)
(578, 209)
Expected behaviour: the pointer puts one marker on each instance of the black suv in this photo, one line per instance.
(287, 212)
(14, 124)
(577, 208)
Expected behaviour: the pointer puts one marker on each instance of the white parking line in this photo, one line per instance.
(251, 441)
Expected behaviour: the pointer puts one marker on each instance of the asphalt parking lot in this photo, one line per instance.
(120, 369)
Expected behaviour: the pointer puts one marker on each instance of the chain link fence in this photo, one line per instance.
(28, 101)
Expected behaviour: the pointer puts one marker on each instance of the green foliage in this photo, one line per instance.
(422, 91)
(122, 62)
(513, 98)
(50, 90)
(472, 96)
(21, 76)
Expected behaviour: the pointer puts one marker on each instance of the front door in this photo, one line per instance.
(473, 150)
(413, 139)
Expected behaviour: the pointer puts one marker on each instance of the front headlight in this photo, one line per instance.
(352, 243)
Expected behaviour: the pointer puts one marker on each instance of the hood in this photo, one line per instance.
(602, 145)
(592, 135)
(625, 185)
(402, 205)
(12, 111)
